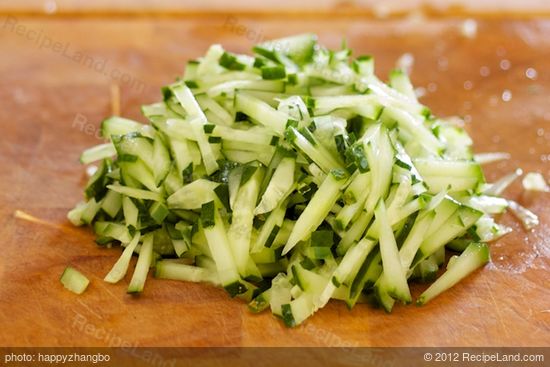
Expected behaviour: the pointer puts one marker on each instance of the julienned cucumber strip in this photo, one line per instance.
(242, 220)
(142, 266)
(394, 275)
(121, 266)
(279, 186)
(317, 209)
(475, 256)
(291, 178)
(171, 270)
(220, 248)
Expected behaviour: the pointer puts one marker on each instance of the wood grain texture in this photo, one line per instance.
(51, 105)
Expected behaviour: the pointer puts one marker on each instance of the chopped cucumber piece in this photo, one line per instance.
(74, 280)
(136, 193)
(131, 212)
(261, 112)
(121, 126)
(451, 175)
(193, 195)
(527, 217)
(112, 203)
(534, 181)
(298, 48)
(97, 153)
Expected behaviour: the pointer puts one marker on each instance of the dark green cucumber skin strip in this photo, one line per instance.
(97, 184)
(258, 304)
(272, 236)
(356, 157)
(287, 316)
(248, 172)
(222, 192)
(322, 238)
(230, 62)
(307, 264)
(235, 288)
(296, 278)
(208, 214)
(273, 72)
(159, 211)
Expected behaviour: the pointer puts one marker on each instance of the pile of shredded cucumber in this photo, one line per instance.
(289, 178)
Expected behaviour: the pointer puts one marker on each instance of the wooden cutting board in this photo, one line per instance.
(51, 104)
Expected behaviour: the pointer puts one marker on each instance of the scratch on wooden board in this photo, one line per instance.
(499, 316)
(25, 216)
(19, 214)
(90, 310)
(106, 289)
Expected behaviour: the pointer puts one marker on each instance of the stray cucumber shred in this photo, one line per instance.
(289, 178)
(534, 181)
